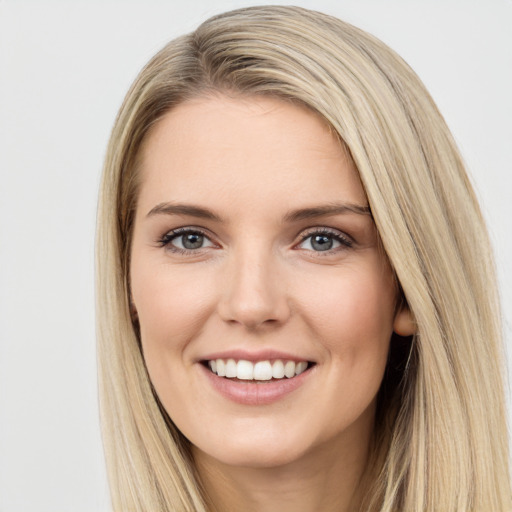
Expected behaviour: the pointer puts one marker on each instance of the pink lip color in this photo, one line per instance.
(262, 355)
(251, 393)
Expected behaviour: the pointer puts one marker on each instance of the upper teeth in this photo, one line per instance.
(261, 370)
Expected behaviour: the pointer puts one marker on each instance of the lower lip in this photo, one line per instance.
(253, 393)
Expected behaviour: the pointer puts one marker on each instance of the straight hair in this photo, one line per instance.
(441, 440)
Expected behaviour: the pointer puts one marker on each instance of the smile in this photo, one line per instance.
(259, 370)
(252, 380)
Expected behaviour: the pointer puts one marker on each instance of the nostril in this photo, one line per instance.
(253, 299)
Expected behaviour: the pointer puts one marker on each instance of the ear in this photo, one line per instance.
(404, 324)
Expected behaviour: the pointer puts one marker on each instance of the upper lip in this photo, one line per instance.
(260, 355)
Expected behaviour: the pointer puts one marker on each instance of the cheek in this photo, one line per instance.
(351, 305)
(351, 314)
(172, 308)
(171, 305)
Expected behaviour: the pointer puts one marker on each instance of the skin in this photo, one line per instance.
(256, 283)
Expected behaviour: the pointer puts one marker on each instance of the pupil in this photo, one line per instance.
(192, 241)
(321, 243)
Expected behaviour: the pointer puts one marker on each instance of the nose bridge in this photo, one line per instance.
(253, 292)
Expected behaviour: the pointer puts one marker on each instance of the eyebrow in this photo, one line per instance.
(327, 209)
(291, 216)
(183, 209)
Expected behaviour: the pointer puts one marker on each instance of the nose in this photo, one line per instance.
(254, 292)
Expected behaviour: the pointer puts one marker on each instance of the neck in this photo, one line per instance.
(327, 478)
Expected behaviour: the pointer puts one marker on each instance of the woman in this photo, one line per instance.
(296, 298)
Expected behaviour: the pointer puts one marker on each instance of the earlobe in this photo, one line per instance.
(404, 324)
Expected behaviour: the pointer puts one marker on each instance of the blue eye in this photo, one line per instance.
(324, 241)
(183, 240)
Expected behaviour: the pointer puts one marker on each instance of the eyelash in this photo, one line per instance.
(345, 241)
(166, 240)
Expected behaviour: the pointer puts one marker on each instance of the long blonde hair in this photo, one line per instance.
(441, 441)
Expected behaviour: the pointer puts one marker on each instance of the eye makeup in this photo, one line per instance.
(185, 240)
(322, 241)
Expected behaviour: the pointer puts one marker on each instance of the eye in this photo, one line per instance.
(324, 241)
(185, 239)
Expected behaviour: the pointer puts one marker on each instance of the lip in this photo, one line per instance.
(253, 393)
(261, 355)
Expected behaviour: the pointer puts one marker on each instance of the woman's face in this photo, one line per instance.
(253, 248)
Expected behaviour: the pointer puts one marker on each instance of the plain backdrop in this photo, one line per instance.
(64, 69)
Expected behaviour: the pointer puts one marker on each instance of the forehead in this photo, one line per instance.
(246, 146)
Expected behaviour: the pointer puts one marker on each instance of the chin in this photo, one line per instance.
(254, 451)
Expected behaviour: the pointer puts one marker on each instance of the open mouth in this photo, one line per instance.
(257, 371)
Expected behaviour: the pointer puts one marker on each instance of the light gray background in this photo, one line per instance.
(64, 69)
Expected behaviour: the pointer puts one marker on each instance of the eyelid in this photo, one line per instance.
(342, 238)
(166, 239)
(346, 242)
